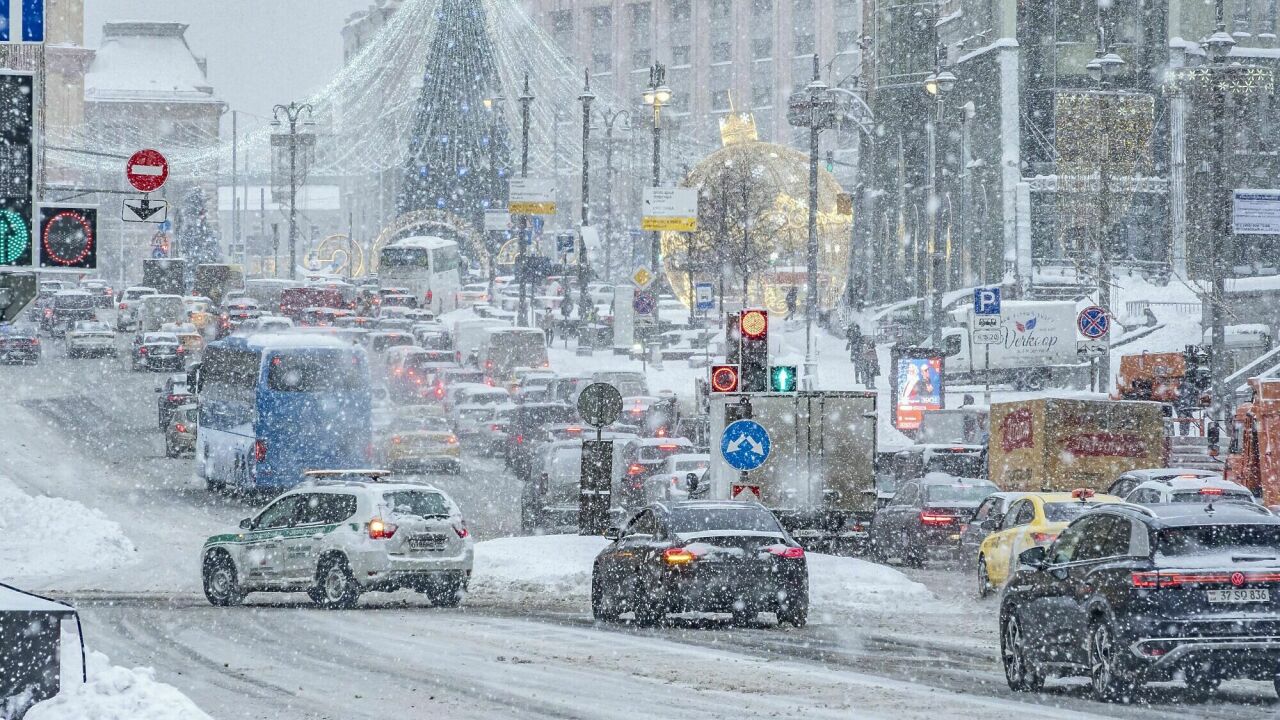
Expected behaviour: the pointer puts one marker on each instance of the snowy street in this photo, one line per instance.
(523, 645)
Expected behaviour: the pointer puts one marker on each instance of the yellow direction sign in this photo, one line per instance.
(532, 196)
(531, 208)
(669, 224)
(642, 277)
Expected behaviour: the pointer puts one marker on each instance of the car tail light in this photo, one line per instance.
(786, 551)
(662, 432)
(935, 519)
(180, 427)
(428, 295)
(488, 364)
(1210, 491)
(175, 398)
(668, 446)
(48, 312)
(677, 556)
(124, 306)
(259, 450)
(520, 439)
(1042, 538)
(181, 349)
(380, 530)
(452, 440)
(635, 469)
(461, 529)
(493, 427)
(396, 439)
(142, 350)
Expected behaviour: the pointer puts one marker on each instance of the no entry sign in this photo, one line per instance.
(147, 170)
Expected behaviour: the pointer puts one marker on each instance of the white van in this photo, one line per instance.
(156, 310)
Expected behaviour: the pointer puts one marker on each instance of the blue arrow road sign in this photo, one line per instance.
(986, 301)
(1093, 322)
(745, 445)
(21, 21)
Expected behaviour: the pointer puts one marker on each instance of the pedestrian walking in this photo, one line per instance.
(549, 327)
(853, 344)
(871, 362)
(793, 297)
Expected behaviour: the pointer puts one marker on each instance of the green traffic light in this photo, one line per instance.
(782, 378)
(15, 238)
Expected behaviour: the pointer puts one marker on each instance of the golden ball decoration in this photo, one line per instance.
(753, 229)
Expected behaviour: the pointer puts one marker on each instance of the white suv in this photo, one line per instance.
(340, 534)
(1189, 489)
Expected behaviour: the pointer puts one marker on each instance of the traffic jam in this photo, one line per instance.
(1104, 538)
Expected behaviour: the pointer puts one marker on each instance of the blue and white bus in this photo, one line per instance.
(274, 405)
(430, 267)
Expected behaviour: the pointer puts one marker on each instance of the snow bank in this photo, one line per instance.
(43, 537)
(559, 567)
(114, 693)
(844, 583)
(555, 565)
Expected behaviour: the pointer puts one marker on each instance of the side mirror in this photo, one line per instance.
(990, 523)
(246, 524)
(691, 481)
(1033, 558)
(613, 533)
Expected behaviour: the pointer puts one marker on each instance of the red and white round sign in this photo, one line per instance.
(147, 170)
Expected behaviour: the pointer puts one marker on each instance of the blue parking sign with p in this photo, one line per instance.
(986, 301)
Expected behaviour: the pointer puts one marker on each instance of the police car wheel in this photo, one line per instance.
(221, 587)
(336, 586)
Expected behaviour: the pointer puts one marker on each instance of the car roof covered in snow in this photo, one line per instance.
(1192, 514)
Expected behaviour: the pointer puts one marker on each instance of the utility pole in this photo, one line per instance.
(492, 245)
(656, 95)
(584, 301)
(1103, 68)
(526, 99)
(609, 117)
(817, 90)
(938, 84)
(235, 184)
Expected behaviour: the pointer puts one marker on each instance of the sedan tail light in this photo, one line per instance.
(461, 529)
(678, 556)
(1043, 538)
(380, 530)
(259, 450)
(934, 519)
(142, 350)
(180, 427)
(786, 551)
(635, 469)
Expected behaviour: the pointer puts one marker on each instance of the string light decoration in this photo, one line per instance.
(366, 114)
(1082, 118)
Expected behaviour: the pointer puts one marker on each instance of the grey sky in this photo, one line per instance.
(260, 52)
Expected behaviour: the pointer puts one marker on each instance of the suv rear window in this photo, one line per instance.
(73, 302)
(957, 493)
(1199, 539)
(417, 502)
(1196, 496)
(750, 519)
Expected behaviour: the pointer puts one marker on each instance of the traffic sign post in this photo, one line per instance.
(704, 297)
(724, 379)
(599, 404)
(642, 277)
(745, 445)
(147, 170)
(644, 303)
(145, 210)
(669, 209)
(68, 237)
(986, 330)
(986, 301)
(1094, 324)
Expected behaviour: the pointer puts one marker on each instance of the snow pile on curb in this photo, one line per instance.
(43, 537)
(114, 693)
(559, 567)
(844, 583)
(556, 565)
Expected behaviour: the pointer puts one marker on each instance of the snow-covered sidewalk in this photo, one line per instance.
(112, 693)
(43, 537)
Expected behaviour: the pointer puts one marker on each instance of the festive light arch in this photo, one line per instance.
(471, 243)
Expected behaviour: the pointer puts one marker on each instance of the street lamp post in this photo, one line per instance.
(938, 84)
(817, 91)
(292, 112)
(583, 300)
(526, 99)
(609, 117)
(494, 106)
(1103, 68)
(1218, 83)
(656, 95)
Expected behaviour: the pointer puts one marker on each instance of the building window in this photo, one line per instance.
(602, 17)
(722, 52)
(679, 54)
(640, 58)
(762, 48)
(561, 21)
(720, 100)
(846, 40)
(639, 23)
(680, 11)
(601, 62)
(762, 8)
(803, 44)
(761, 95)
(721, 9)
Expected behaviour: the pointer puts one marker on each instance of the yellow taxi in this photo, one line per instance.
(190, 338)
(1034, 519)
(412, 448)
(200, 312)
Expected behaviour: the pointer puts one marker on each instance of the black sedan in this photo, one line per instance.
(925, 518)
(701, 556)
(1128, 595)
(19, 343)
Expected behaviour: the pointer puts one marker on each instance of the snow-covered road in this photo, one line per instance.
(87, 434)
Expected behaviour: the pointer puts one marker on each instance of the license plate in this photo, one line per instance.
(427, 542)
(1243, 595)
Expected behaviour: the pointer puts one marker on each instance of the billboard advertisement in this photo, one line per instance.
(917, 386)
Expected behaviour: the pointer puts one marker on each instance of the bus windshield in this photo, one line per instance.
(313, 372)
(405, 257)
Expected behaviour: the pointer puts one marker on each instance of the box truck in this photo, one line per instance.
(819, 478)
(1036, 346)
(1058, 444)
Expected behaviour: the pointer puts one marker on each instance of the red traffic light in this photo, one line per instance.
(724, 378)
(754, 324)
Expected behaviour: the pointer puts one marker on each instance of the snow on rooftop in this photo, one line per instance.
(146, 62)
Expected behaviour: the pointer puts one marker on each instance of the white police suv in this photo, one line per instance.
(340, 534)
